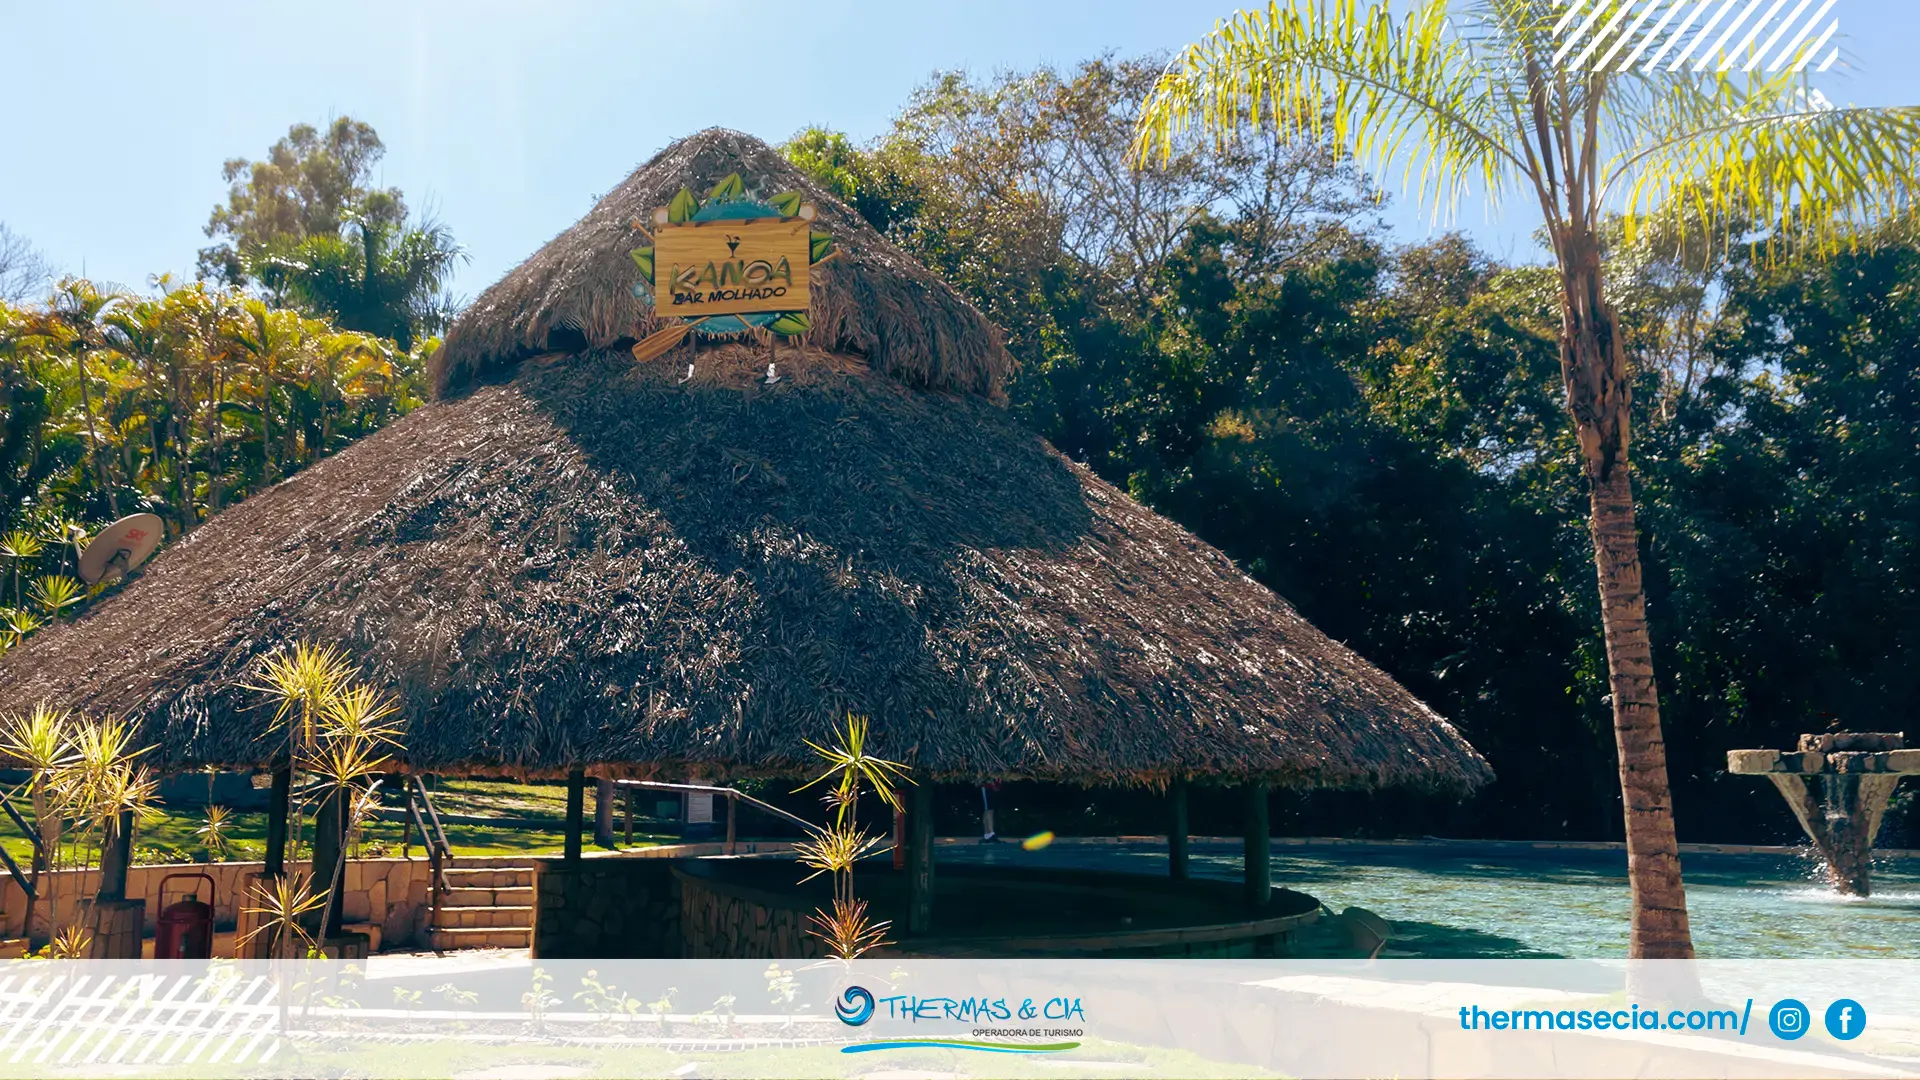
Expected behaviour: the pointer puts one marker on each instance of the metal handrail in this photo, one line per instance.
(39, 851)
(437, 843)
(731, 793)
(32, 833)
(19, 878)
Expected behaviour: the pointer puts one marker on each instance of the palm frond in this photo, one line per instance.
(1404, 92)
(1731, 153)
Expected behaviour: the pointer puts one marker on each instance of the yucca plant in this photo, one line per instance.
(41, 742)
(835, 848)
(71, 943)
(302, 680)
(213, 830)
(337, 732)
(284, 903)
(20, 548)
(56, 593)
(16, 624)
(1696, 145)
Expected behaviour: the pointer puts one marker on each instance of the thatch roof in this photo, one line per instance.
(873, 301)
(577, 559)
(594, 564)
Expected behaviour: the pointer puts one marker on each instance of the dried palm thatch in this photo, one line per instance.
(873, 301)
(593, 563)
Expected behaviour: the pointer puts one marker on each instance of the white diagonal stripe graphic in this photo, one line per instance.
(1574, 38)
(139, 990)
(60, 1031)
(1786, 24)
(1674, 38)
(30, 1001)
(1627, 35)
(1713, 51)
(1806, 28)
(220, 1021)
(1573, 9)
(1618, 14)
(153, 1012)
(1726, 58)
(1651, 35)
(1694, 42)
(264, 1010)
(103, 1024)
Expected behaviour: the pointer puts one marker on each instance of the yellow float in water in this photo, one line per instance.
(1037, 841)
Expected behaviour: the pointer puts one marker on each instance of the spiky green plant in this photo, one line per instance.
(20, 548)
(213, 830)
(1483, 95)
(836, 847)
(40, 741)
(16, 624)
(283, 904)
(56, 593)
(302, 680)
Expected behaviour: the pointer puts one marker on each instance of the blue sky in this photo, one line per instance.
(509, 120)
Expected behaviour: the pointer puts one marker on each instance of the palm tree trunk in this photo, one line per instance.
(216, 431)
(1599, 395)
(93, 434)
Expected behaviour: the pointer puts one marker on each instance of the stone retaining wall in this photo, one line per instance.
(731, 923)
(605, 908)
(388, 893)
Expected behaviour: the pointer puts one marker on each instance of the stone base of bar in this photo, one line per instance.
(113, 928)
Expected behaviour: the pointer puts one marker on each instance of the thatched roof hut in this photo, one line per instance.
(573, 558)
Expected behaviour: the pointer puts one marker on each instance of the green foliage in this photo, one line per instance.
(1378, 433)
(311, 183)
(178, 402)
(305, 226)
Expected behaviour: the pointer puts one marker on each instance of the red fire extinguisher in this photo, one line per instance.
(184, 930)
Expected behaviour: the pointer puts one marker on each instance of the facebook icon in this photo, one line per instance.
(1846, 1019)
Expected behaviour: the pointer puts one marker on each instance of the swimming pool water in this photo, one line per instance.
(1492, 903)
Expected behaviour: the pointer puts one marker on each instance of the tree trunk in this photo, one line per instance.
(1593, 363)
(93, 434)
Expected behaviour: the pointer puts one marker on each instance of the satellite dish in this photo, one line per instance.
(120, 547)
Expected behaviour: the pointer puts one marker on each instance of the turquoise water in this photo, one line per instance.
(1490, 903)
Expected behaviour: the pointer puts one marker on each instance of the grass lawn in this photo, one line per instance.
(175, 837)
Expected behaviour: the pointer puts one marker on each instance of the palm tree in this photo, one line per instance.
(268, 341)
(78, 309)
(373, 278)
(1475, 93)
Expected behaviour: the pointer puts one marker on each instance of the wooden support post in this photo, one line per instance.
(278, 810)
(1259, 850)
(629, 817)
(603, 811)
(1177, 829)
(576, 811)
(920, 860)
(329, 857)
(900, 831)
(116, 858)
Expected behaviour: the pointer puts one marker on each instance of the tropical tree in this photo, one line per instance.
(374, 278)
(77, 315)
(269, 341)
(1475, 93)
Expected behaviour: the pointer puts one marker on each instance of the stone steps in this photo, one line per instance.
(482, 937)
(484, 907)
(460, 896)
(489, 877)
(496, 918)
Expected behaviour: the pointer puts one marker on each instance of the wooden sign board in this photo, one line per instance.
(731, 267)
